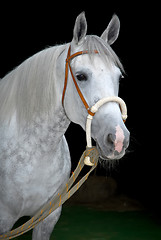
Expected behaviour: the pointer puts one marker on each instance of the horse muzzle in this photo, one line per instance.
(114, 143)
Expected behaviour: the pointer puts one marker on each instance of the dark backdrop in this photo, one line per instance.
(26, 29)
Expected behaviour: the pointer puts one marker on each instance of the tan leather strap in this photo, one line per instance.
(66, 76)
(67, 65)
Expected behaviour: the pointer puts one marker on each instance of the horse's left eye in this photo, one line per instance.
(81, 77)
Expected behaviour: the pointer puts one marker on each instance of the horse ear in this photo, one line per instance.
(112, 31)
(80, 29)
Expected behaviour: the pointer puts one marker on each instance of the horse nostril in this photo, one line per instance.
(110, 138)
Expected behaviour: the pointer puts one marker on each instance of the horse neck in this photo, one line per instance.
(55, 121)
(36, 83)
(49, 131)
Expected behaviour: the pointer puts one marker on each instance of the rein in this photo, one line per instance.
(89, 157)
(56, 201)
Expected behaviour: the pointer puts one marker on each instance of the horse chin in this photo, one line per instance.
(114, 156)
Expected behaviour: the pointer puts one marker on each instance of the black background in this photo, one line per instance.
(28, 28)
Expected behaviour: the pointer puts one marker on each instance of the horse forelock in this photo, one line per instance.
(93, 42)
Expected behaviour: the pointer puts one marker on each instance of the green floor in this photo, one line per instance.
(85, 223)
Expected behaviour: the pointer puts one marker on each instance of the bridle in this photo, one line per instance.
(91, 111)
(68, 66)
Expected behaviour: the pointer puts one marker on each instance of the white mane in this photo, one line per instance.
(29, 89)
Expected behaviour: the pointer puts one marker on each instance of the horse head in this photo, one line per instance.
(97, 76)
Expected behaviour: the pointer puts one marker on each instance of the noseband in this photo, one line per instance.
(91, 111)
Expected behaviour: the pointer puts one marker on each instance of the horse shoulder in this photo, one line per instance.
(29, 170)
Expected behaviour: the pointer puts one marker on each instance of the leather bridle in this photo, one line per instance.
(68, 66)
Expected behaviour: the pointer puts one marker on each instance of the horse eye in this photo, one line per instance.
(81, 77)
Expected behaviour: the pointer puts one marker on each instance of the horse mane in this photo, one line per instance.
(29, 88)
